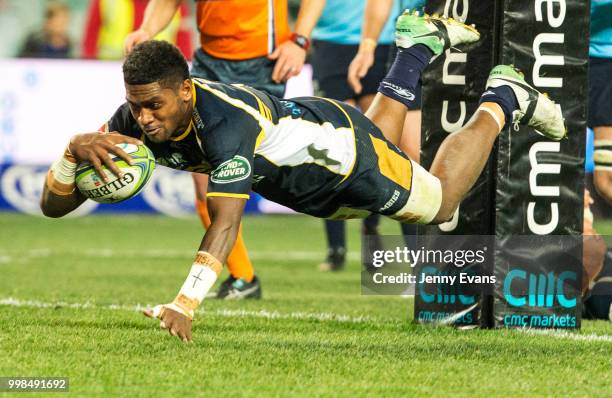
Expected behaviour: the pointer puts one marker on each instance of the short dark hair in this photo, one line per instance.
(54, 8)
(155, 61)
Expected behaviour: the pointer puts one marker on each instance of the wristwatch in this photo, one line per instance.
(300, 40)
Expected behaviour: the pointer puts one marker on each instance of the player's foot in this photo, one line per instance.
(535, 109)
(336, 258)
(435, 32)
(237, 289)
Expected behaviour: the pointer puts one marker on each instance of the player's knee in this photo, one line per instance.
(425, 198)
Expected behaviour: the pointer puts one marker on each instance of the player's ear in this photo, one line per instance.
(185, 90)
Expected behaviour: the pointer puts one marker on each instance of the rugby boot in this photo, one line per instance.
(535, 109)
(237, 289)
(435, 32)
(240, 289)
(335, 260)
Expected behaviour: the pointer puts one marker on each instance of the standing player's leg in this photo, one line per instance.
(600, 120)
(602, 156)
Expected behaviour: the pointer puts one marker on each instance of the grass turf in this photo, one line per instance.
(294, 342)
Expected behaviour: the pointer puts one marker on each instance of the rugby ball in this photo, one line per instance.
(117, 189)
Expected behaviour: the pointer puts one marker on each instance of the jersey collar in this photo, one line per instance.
(186, 133)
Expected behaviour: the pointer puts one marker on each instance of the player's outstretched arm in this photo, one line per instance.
(60, 195)
(158, 15)
(177, 316)
(225, 216)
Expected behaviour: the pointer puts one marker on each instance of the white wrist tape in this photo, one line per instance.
(62, 175)
(64, 171)
(202, 276)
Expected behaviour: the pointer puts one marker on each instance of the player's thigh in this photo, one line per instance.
(388, 182)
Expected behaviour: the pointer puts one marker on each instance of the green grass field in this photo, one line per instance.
(70, 290)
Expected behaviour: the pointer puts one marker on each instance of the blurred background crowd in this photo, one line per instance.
(78, 28)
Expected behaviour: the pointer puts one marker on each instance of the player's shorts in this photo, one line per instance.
(385, 181)
(600, 92)
(330, 62)
(255, 72)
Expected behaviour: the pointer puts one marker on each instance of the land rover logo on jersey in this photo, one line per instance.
(233, 170)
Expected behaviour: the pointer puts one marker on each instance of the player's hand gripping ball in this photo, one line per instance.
(117, 189)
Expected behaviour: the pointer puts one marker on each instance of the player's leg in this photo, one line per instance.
(463, 154)
(242, 282)
(459, 161)
(600, 120)
(335, 232)
(602, 156)
(410, 142)
(419, 40)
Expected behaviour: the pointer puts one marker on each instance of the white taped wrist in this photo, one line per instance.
(202, 276)
(61, 178)
(64, 171)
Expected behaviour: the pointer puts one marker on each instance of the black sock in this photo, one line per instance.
(410, 235)
(370, 224)
(504, 97)
(403, 78)
(336, 234)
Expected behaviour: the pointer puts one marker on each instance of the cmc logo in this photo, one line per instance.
(539, 290)
(446, 294)
(22, 187)
(171, 192)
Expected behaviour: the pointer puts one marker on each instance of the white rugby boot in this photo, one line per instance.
(535, 109)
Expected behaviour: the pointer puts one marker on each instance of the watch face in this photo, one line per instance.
(301, 41)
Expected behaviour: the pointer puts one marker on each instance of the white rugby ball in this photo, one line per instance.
(117, 189)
